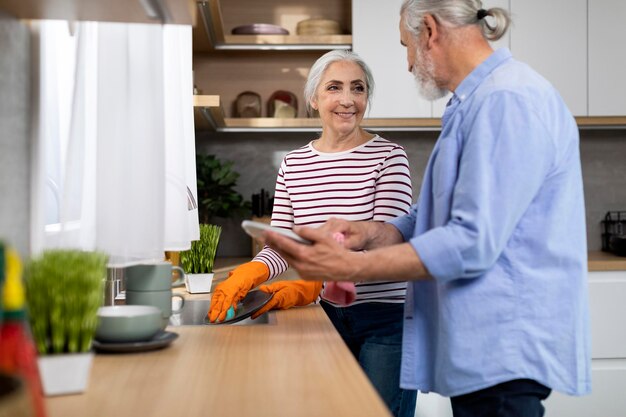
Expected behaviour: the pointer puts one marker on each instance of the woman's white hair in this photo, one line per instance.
(321, 65)
(456, 13)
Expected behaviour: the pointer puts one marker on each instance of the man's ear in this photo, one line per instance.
(431, 27)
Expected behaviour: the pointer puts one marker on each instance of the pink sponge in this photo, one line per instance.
(342, 292)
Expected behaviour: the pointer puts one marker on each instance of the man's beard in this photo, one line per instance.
(424, 72)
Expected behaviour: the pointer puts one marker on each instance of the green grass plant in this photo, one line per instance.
(64, 289)
(199, 259)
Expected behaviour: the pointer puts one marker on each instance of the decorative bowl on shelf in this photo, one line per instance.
(248, 104)
(259, 29)
(282, 104)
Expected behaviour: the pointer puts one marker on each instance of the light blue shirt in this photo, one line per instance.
(500, 225)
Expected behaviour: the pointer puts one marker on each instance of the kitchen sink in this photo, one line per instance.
(194, 314)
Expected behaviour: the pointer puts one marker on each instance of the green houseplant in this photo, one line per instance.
(64, 289)
(219, 202)
(198, 261)
(217, 197)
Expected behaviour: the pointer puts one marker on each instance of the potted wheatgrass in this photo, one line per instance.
(198, 261)
(64, 289)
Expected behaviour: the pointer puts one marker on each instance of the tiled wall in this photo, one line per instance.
(603, 155)
(14, 132)
(258, 155)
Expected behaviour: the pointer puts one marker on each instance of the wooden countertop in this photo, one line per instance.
(297, 365)
(604, 261)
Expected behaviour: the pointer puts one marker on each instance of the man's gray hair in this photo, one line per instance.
(319, 68)
(456, 13)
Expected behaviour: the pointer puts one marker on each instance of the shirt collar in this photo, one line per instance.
(473, 80)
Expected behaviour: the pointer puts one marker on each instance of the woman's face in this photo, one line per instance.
(341, 97)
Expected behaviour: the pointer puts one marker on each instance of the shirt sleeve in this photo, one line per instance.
(393, 187)
(505, 156)
(405, 224)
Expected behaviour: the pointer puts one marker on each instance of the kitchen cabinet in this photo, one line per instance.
(607, 61)
(226, 65)
(376, 38)
(556, 48)
(219, 18)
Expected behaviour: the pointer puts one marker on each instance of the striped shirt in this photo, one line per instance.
(369, 182)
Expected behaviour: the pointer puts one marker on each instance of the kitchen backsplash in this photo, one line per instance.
(257, 157)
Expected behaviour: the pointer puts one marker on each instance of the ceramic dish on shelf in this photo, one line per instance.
(248, 104)
(282, 104)
(160, 340)
(259, 29)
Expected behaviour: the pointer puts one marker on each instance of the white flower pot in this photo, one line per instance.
(198, 283)
(65, 373)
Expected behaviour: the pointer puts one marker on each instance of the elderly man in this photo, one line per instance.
(496, 314)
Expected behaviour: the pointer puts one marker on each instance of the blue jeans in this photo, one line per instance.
(373, 332)
(517, 398)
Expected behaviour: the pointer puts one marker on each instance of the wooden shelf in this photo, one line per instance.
(181, 12)
(285, 42)
(215, 30)
(612, 122)
(209, 115)
(207, 112)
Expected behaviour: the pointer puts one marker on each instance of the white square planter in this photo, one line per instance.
(65, 373)
(198, 283)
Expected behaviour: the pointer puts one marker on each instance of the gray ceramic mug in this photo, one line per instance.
(155, 276)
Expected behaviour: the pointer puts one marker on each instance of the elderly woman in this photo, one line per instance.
(347, 173)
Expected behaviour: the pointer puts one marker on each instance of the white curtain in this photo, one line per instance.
(114, 154)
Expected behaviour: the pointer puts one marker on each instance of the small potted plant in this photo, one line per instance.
(198, 261)
(64, 289)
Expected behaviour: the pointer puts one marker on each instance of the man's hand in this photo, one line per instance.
(328, 260)
(325, 260)
(354, 233)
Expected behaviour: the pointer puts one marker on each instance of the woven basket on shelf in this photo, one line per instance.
(318, 27)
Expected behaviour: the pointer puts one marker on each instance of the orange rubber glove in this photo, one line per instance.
(288, 294)
(240, 280)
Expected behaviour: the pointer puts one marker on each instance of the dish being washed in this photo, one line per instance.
(249, 305)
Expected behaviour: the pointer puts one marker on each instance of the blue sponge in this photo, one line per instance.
(230, 314)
